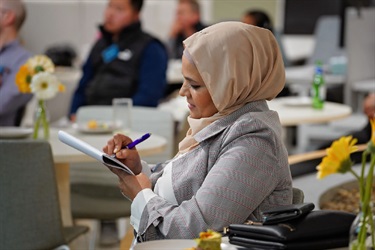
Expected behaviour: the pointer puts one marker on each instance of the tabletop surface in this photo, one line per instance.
(296, 110)
(63, 153)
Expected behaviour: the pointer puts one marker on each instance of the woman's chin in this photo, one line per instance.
(194, 115)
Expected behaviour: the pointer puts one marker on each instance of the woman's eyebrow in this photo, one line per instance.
(189, 79)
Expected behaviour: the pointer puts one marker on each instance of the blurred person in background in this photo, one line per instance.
(186, 23)
(364, 134)
(257, 18)
(12, 56)
(124, 62)
(261, 19)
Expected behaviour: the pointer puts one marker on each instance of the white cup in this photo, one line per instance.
(122, 115)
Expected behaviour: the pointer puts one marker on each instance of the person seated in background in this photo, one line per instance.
(261, 19)
(186, 23)
(124, 62)
(12, 56)
(258, 18)
(232, 164)
(364, 134)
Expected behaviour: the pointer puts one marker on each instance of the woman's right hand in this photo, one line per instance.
(129, 157)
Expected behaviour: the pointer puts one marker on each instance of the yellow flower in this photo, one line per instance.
(338, 157)
(40, 63)
(371, 143)
(23, 79)
(372, 121)
(61, 87)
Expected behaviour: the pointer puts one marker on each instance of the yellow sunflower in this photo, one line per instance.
(61, 87)
(372, 121)
(371, 144)
(338, 157)
(23, 79)
(40, 63)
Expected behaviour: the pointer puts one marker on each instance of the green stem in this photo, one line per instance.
(36, 129)
(370, 177)
(41, 119)
(367, 211)
(37, 121)
(371, 221)
(45, 122)
(364, 157)
(355, 175)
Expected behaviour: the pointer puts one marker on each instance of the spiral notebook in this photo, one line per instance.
(89, 150)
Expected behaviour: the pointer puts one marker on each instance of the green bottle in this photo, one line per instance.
(318, 91)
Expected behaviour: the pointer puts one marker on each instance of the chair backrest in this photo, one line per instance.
(30, 216)
(360, 47)
(298, 196)
(145, 119)
(327, 37)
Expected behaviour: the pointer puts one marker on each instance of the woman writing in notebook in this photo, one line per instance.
(232, 164)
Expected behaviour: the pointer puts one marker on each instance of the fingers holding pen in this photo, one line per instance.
(120, 141)
(115, 144)
(129, 157)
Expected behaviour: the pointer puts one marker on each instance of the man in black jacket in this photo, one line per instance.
(124, 62)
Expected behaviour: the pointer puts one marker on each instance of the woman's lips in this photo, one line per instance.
(191, 106)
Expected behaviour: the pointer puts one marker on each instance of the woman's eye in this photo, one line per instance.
(194, 86)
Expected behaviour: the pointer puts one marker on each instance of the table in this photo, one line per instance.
(178, 244)
(64, 155)
(291, 114)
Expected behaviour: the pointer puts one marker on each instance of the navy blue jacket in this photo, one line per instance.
(151, 79)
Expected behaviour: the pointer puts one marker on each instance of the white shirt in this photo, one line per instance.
(163, 188)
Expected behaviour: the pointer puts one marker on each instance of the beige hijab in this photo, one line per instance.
(239, 63)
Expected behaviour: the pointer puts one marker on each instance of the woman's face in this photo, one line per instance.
(199, 99)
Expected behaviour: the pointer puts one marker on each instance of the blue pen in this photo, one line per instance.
(136, 142)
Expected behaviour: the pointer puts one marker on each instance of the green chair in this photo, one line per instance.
(30, 216)
(298, 196)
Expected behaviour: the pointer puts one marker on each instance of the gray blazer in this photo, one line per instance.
(239, 169)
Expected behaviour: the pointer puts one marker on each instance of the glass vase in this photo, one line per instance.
(362, 234)
(41, 121)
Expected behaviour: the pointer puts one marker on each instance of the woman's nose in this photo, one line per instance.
(183, 90)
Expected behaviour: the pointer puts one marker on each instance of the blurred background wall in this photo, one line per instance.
(75, 22)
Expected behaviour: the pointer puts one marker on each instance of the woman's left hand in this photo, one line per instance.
(131, 185)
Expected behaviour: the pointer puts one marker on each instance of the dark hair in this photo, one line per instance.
(137, 5)
(193, 4)
(261, 19)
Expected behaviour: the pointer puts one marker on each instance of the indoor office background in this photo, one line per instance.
(73, 23)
